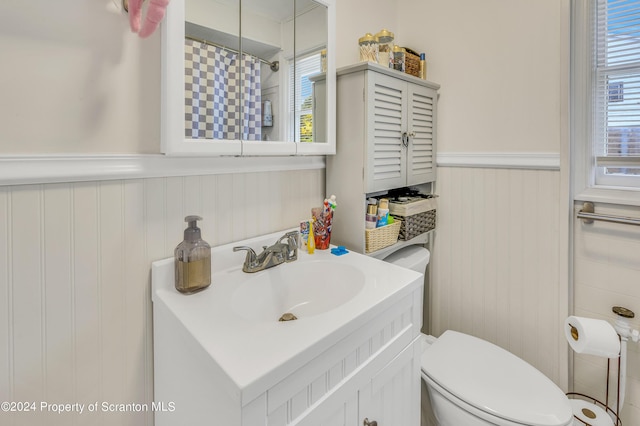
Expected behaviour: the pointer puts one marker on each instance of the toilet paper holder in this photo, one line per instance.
(574, 332)
(586, 408)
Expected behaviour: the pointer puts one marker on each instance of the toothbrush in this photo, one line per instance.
(311, 241)
(332, 202)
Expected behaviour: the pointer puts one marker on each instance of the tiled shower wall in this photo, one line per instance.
(75, 307)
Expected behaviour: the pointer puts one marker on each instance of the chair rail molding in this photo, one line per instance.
(507, 160)
(40, 169)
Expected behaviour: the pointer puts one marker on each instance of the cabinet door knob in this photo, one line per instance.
(369, 423)
(405, 139)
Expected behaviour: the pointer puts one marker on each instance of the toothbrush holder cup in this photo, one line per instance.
(322, 227)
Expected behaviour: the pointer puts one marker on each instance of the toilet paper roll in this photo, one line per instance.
(592, 337)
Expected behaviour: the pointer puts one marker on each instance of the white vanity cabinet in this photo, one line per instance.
(374, 373)
(359, 360)
(389, 398)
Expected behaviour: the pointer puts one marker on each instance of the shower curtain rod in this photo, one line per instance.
(275, 65)
(588, 215)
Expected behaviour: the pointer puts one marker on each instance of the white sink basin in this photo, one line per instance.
(303, 289)
(234, 322)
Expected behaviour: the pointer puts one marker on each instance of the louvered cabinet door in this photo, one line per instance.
(386, 101)
(421, 165)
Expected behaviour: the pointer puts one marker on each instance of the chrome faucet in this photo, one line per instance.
(284, 250)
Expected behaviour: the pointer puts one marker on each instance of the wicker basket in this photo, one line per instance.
(378, 238)
(411, 63)
(417, 224)
(417, 215)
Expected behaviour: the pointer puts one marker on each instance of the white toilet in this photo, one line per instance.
(414, 257)
(472, 382)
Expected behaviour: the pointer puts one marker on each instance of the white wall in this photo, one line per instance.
(355, 18)
(607, 273)
(500, 259)
(499, 64)
(75, 278)
(75, 79)
(83, 53)
(499, 271)
(75, 307)
(496, 270)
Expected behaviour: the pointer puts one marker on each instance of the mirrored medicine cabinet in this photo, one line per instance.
(248, 77)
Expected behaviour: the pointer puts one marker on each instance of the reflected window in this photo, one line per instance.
(301, 96)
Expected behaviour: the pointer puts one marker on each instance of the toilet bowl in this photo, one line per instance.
(473, 382)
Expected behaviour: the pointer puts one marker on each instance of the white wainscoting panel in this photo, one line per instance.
(607, 274)
(496, 262)
(75, 258)
(500, 160)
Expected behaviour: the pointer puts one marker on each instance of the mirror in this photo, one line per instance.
(249, 77)
(212, 65)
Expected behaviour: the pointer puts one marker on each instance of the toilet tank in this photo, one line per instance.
(414, 257)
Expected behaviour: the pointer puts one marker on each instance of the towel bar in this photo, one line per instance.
(588, 215)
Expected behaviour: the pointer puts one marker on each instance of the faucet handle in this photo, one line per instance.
(251, 258)
(291, 234)
(292, 245)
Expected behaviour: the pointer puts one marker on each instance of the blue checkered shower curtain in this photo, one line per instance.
(222, 97)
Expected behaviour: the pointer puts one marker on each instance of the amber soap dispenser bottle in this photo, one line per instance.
(192, 259)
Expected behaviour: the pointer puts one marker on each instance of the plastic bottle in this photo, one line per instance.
(383, 213)
(371, 217)
(423, 66)
(268, 116)
(323, 60)
(192, 260)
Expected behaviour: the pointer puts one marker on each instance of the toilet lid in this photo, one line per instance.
(413, 257)
(495, 381)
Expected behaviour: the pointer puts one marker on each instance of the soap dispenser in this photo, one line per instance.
(192, 259)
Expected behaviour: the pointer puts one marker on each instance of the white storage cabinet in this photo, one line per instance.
(386, 139)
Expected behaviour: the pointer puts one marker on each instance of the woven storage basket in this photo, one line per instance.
(418, 216)
(378, 238)
(416, 224)
(411, 63)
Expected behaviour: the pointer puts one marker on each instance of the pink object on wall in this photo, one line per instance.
(155, 12)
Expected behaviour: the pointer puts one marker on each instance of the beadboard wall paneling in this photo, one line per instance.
(495, 264)
(75, 302)
(607, 274)
(6, 295)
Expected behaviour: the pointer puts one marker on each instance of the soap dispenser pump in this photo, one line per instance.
(192, 259)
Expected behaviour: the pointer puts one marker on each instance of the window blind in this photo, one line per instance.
(300, 96)
(617, 88)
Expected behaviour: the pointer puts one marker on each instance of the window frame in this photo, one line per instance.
(582, 121)
(293, 116)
